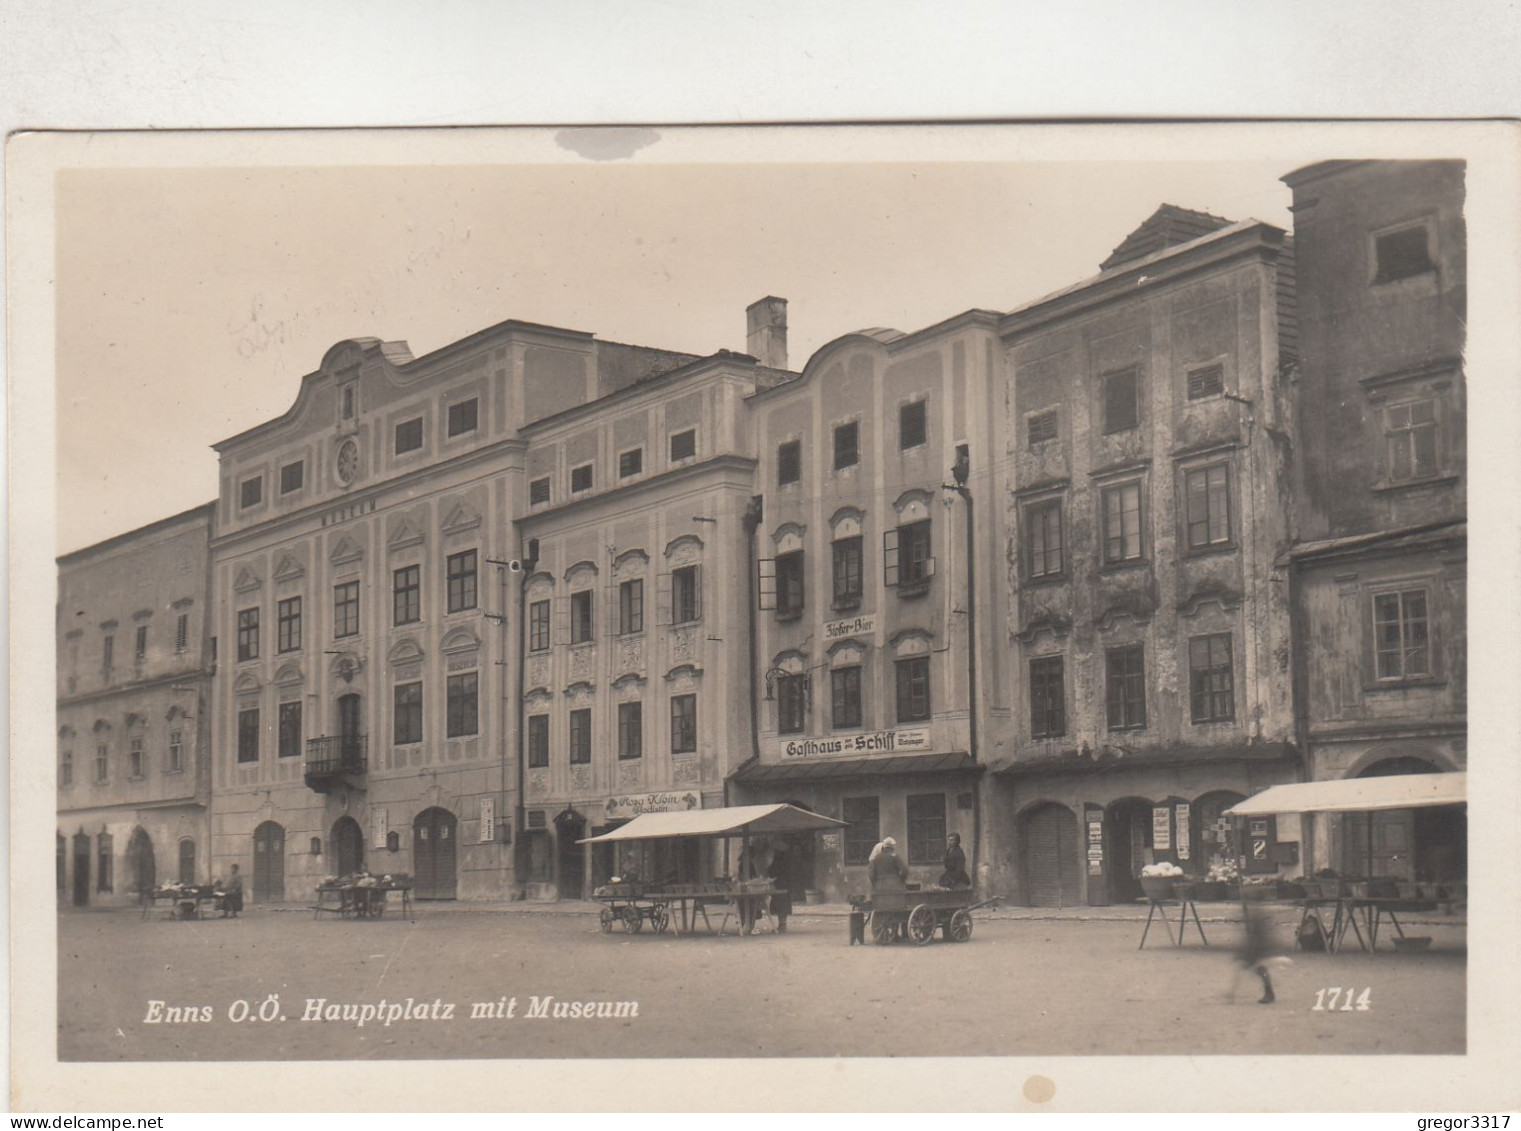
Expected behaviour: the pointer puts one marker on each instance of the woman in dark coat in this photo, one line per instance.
(954, 875)
(778, 873)
(232, 894)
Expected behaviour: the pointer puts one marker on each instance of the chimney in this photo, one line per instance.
(766, 331)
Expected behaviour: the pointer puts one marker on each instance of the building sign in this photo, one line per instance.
(831, 842)
(1161, 828)
(876, 742)
(625, 806)
(488, 820)
(379, 826)
(1095, 845)
(855, 626)
(1181, 815)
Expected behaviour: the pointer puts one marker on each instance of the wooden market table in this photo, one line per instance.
(1362, 915)
(184, 903)
(1157, 906)
(360, 901)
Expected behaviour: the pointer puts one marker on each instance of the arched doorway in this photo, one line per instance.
(1406, 844)
(1127, 839)
(346, 846)
(140, 868)
(269, 863)
(81, 869)
(187, 861)
(1048, 850)
(570, 827)
(434, 835)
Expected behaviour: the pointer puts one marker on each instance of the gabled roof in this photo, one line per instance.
(1167, 227)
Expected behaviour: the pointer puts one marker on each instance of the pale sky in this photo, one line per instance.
(192, 300)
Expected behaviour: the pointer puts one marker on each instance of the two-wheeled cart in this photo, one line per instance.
(633, 907)
(917, 915)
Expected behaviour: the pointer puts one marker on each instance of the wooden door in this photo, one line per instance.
(346, 847)
(81, 870)
(141, 872)
(434, 836)
(348, 730)
(1050, 852)
(187, 861)
(268, 863)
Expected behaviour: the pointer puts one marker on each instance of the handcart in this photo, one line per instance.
(916, 915)
(633, 906)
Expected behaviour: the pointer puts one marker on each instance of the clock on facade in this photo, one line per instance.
(348, 461)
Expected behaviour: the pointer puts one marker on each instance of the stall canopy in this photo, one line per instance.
(737, 820)
(1357, 795)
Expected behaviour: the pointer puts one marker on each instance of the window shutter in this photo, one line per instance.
(560, 607)
(663, 599)
(697, 592)
(890, 557)
(765, 590)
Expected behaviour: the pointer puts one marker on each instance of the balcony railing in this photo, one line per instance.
(333, 758)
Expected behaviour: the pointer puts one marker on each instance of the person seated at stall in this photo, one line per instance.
(886, 869)
(230, 895)
(954, 875)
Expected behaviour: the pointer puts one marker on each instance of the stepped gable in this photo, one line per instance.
(1167, 227)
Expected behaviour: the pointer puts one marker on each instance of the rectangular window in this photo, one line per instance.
(538, 741)
(683, 445)
(630, 462)
(251, 492)
(1410, 435)
(1206, 382)
(409, 436)
(346, 609)
(686, 595)
(538, 626)
(108, 651)
(1208, 501)
(135, 757)
(1402, 254)
(847, 572)
(631, 606)
(463, 417)
(789, 584)
(863, 828)
(926, 828)
(406, 595)
(1048, 699)
(683, 724)
(913, 424)
(461, 576)
(581, 616)
(288, 625)
(103, 762)
(1043, 539)
(791, 704)
(1125, 673)
(630, 731)
(1041, 427)
(290, 729)
(789, 462)
(1400, 634)
(1212, 695)
(142, 641)
(845, 698)
(292, 477)
(847, 448)
(906, 559)
(104, 862)
(1121, 406)
(176, 752)
(407, 718)
(182, 632)
(248, 634)
(462, 705)
(913, 689)
(349, 405)
(248, 735)
(66, 768)
(580, 737)
(1122, 523)
(581, 478)
(538, 492)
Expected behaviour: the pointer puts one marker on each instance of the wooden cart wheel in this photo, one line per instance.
(921, 924)
(959, 929)
(660, 918)
(883, 930)
(633, 920)
(608, 918)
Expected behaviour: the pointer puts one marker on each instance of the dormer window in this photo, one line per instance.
(251, 492)
(350, 402)
(1402, 254)
(409, 435)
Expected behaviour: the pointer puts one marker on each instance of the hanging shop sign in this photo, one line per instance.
(853, 626)
(1161, 828)
(626, 806)
(876, 742)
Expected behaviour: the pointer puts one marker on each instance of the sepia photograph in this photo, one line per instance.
(965, 593)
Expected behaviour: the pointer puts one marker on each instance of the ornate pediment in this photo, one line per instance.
(1207, 592)
(1135, 606)
(346, 550)
(246, 581)
(405, 533)
(788, 537)
(289, 568)
(630, 563)
(846, 522)
(460, 517)
(246, 684)
(910, 642)
(459, 640)
(404, 651)
(913, 504)
(1044, 620)
(583, 569)
(683, 550)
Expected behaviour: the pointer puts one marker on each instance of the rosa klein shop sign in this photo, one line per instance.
(873, 742)
(629, 805)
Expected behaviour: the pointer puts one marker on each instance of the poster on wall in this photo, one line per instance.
(488, 820)
(378, 828)
(1161, 828)
(1181, 816)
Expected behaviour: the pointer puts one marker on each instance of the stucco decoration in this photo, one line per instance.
(404, 651)
(630, 564)
(583, 661)
(346, 550)
(683, 551)
(458, 640)
(1135, 605)
(580, 777)
(911, 642)
(582, 573)
(684, 645)
(579, 693)
(101, 727)
(345, 666)
(1210, 592)
(683, 679)
(631, 657)
(629, 687)
(686, 769)
(538, 671)
(791, 661)
(538, 783)
(788, 537)
(538, 700)
(846, 522)
(287, 674)
(629, 772)
(246, 684)
(459, 516)
(247, 581)
(913, 505)
(289, 568)
(1044, 621)
(405, 533)
(847, 653)
(541, 586)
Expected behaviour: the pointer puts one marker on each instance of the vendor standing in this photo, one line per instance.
(231, 901)
(887, 870)
(954, 875)
(779, 874)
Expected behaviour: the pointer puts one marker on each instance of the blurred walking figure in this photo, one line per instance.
(1260, 952)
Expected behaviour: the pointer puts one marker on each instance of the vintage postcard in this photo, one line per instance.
(864, 613)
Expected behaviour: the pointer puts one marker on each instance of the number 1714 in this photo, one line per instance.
(1346, 1000)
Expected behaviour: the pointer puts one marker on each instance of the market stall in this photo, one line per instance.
(745, 895)
(362, 896)
(1336, 907)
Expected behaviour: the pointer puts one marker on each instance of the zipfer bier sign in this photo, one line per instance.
(874, 742)
(634, 804)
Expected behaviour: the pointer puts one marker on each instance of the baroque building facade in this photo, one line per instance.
(134, 683)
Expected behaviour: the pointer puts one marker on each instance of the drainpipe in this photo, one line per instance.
(520, 811)
(752, 521)
(960, 471)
